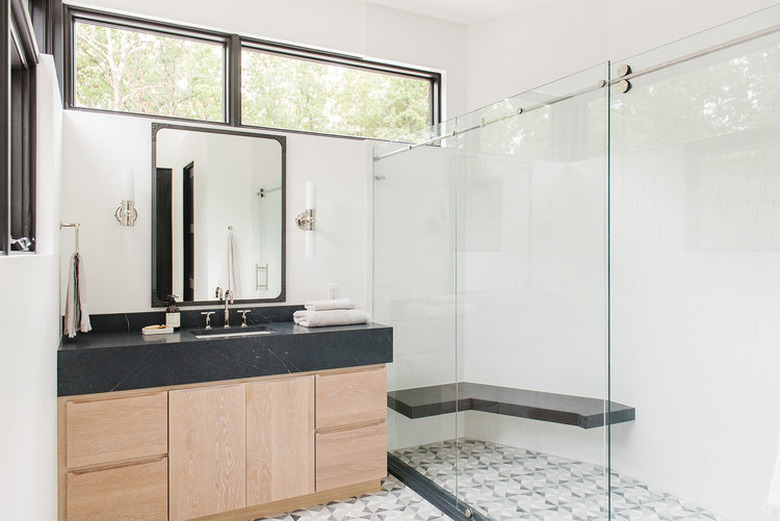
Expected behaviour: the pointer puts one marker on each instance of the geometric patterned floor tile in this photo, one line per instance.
(510, 483)
(395, 502)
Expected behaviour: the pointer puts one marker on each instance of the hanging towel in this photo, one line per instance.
(76, 312)
(325, 305)
(230, 274)
(773, 501)
(333, 317)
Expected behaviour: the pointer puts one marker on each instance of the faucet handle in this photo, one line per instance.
(243, 316)
(218, 293)
(208, 318)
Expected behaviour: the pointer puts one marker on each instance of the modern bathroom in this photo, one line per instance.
(380, 260)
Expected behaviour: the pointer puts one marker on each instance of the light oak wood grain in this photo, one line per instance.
(207, 451)
(351, 456)
(106, 431)
(289, 505)
(129, 493)
(62, 451)
(279, 439)
(353, 397)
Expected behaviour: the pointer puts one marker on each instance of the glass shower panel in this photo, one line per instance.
(695, 270)
(414, 287)
(532, 257)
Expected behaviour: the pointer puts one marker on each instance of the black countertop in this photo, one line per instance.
(119, 361)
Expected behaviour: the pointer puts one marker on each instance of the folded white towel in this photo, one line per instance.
(773, 501)
(332, 317)
(325, 305)
(76, 312)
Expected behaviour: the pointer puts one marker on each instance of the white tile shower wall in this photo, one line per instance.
(404, 432)
(534, 291)
(550, 42)
(98, 146)
(414, 281)
(414, 277)
(694, 326)
(695, 322)
(30, 335)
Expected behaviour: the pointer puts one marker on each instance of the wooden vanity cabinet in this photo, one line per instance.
(113, 458)
(207, 463)
(279, 439)
(351, 439)
(232, 451)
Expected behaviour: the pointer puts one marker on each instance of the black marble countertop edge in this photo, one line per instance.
(109, 362)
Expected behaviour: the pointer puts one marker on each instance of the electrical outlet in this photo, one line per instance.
(333, 291)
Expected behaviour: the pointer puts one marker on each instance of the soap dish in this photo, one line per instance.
(157, 330)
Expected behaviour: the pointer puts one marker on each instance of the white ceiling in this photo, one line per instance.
(464, 11)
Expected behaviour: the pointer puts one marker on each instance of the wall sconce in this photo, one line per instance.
(126, 214)
(307, 220)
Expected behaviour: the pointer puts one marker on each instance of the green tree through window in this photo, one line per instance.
(134, 71)
(121, 66)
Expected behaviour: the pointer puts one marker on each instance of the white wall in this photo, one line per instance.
(519, 52)
(99, 146)
(30, 335)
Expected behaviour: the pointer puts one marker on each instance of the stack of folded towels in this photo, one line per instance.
(333, 312)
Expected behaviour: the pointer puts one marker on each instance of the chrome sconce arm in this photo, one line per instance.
(126, 214)
(307, 220)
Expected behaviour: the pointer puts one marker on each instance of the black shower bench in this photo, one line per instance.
(583, 412)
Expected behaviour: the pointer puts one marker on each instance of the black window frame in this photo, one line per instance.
(73, 15)
(234, 45)
(17, 129)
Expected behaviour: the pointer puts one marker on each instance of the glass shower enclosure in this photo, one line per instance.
(584, 285)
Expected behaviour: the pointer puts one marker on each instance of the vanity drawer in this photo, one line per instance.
(116, 430)
(351, 456)
(349, 398)
(131, 493)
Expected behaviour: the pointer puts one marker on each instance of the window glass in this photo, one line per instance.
(315, 96)
(140, 71)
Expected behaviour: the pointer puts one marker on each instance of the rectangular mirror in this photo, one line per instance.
(218, 198)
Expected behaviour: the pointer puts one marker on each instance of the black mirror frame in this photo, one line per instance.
(282, 140)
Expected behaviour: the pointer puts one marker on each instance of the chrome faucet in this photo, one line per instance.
(228, 300)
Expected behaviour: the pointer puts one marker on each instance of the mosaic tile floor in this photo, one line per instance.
(508, 483)
(395, 502)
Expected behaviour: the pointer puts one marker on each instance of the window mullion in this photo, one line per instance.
(233, 80)
(5, 122)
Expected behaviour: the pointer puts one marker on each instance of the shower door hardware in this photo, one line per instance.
(258, 270)
(624, 85)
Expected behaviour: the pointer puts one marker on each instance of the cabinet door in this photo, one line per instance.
(207, 451)
(279, 439)
(351, 456)
(116, 430)
(352, 397)
(131, 493)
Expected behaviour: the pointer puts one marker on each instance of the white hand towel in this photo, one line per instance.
(229, 280)
(773, 501)
(333, 317)
(325, 305)
(76, 311)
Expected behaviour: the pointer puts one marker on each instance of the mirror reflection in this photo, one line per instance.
(218, 215)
